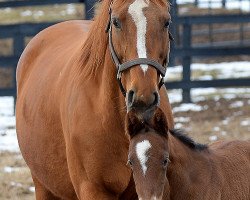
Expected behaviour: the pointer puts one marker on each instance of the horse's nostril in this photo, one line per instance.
(156, 99)
(130, 97)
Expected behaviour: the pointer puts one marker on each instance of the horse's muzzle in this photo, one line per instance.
(142, 104)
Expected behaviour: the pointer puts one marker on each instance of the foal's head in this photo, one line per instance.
(140, 29)
(148, 154)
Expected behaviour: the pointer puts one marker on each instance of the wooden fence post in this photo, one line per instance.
(89, 9)
(18, 47)
(186, 62)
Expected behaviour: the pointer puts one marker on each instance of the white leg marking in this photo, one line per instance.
(136, 11)
(141, 150)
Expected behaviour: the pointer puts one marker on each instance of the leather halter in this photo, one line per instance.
(121, 67)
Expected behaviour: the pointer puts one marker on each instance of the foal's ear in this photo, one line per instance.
(159, 122)
(133, 124)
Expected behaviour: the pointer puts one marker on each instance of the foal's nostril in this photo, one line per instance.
(130, 97)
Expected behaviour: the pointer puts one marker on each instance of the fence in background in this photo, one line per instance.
(192, 19)
(212, 21)
(19, 32)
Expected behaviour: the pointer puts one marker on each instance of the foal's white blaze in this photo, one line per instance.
(141, 150)
(136, 11)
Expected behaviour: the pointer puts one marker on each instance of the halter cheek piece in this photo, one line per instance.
(121, 67)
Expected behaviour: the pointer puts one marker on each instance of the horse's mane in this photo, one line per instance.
(187, 140)
(95, 46)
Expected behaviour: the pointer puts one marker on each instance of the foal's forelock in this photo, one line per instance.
(140, 20)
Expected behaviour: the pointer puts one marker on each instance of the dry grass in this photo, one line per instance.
(14, 185)
(41, 13)
(219, 119)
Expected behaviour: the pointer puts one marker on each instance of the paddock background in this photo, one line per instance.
(212, 42)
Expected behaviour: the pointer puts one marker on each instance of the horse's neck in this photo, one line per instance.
(105, 88)
(186, 169)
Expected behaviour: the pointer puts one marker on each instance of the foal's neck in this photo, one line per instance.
(187, 169)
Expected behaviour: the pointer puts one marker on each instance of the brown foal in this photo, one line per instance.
(168, 165)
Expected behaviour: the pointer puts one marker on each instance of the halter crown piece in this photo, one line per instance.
(121, 67)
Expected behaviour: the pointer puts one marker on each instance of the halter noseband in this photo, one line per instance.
(121, 67)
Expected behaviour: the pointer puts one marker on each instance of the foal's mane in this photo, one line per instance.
(177, 133)
(96, 44)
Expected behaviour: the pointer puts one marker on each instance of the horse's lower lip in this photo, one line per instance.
(144, 113)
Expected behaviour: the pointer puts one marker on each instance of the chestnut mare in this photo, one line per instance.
(169, 165)
(70, 111)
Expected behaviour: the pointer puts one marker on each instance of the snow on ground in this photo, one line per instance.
(223, 70)
(189, 107)
(243, 5)
(9, 169)
(8, 140)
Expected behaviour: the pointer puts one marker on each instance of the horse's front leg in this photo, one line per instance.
(97, 166)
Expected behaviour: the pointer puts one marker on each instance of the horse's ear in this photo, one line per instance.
(159, 122)
(133, 124)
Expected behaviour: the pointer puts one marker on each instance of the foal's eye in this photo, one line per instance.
(166, 25)
(130, 163)
(116, 23)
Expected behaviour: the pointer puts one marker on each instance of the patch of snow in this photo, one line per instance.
(223, 133)
(248, 102)
(11, 169)
(26, 13)
(38, 13)
(236, 104)
(206, 77)
(178, 126)
(8, 139)
(243, 5)
(7, 122)
(224, 70)
(245, 122)
(8, 142)
(7, 10)
(225, 121)
(182, 119)
(32, 189)
(70, 10)
(12, 183)
(174, 96)
(6, 106)
(202, 91)
(213, 138)
(188, 107)
(202, 94)
(229, 96)
(216, 128)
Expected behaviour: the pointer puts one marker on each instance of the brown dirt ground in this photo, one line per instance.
(219, 119)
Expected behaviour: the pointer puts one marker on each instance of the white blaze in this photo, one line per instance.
(136, 11)
(141, 150)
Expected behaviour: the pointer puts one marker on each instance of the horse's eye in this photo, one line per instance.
(116, 23)
(166, 25)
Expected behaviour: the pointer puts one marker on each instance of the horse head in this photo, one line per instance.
(148, 154)
(139, 42)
